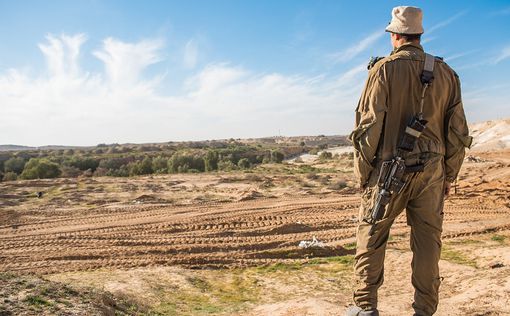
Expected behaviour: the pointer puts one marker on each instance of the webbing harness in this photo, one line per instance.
(416, 126)
(427, 76)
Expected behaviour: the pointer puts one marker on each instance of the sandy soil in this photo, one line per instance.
(235, 221)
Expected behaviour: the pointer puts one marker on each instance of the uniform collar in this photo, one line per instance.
(409, 46)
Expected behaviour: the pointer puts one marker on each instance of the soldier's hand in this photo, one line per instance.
(447, 188)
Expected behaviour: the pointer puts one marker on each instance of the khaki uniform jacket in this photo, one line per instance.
(390, 99)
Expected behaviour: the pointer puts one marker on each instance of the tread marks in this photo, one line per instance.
(211, 235)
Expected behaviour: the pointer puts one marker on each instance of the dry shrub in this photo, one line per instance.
(338, 185)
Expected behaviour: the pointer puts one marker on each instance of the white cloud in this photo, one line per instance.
(121, 105)
(428, 39)
(62, 54)
(445, 22)
(460, 55)
(190, 55)
(124, 62)
(354, 50)
(69, 105)
(215, 77)
(504, 11)
(489, 61)
(504, 54)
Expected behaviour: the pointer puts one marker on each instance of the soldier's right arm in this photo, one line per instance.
(369, 123)
(456, 134)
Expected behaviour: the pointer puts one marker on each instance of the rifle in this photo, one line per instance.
(390, 182)
(392, 176)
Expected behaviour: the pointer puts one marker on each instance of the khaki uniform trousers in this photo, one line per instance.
(423, 199)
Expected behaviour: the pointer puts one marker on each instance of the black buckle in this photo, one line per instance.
(427, 77)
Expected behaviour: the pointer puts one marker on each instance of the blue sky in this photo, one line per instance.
(88, 72)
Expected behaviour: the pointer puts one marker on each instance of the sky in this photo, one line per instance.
(96, 71)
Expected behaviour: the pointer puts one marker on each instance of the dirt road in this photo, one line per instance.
(210, 235)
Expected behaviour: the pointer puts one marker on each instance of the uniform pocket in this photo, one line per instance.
(365, 139)
(362, 164)
(367, 202)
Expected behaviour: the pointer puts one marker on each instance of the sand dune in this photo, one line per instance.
(491, 135)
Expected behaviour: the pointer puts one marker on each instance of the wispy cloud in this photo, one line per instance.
(120, 104)
(190, 54)
(428, 39)
(504, 54)
(472, 65)
(445, 22)
(62, 53)
(303, 28)
(504, 11)
(486, 102)
(460, 55)
(124, 62)
(495, 59)
(354, 50)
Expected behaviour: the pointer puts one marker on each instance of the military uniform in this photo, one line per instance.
(391, 97)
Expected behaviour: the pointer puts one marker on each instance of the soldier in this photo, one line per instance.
(403, 87)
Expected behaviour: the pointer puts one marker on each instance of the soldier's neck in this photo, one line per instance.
(405, 44)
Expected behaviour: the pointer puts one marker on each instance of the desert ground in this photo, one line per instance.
(228, 243)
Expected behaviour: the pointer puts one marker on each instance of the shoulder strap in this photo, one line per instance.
(427, 74)
(416, 126)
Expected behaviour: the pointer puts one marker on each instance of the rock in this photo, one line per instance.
(496, 265)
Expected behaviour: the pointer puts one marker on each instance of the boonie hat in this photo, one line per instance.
(406, 20)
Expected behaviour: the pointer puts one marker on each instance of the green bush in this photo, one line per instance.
(182, 168)
(123, 171)
(40, 168)
(71, 172)
(211, 160)
(244, 163)
(143, 167)
(83, 163)
(226, 165)
(277, 156)
(160, 165)
(181, 162)
(100, 172)
(146, 166)
(134, 168)
(325, 155)
(15, 164)
(313, 151)
(115, 163)
(10, 176)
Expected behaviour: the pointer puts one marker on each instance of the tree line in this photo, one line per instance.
(118, 163)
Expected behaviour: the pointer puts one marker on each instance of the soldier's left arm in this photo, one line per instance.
(456, 134)
(370, 115)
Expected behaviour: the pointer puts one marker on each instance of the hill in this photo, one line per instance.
(491, 135)
(332, 140)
